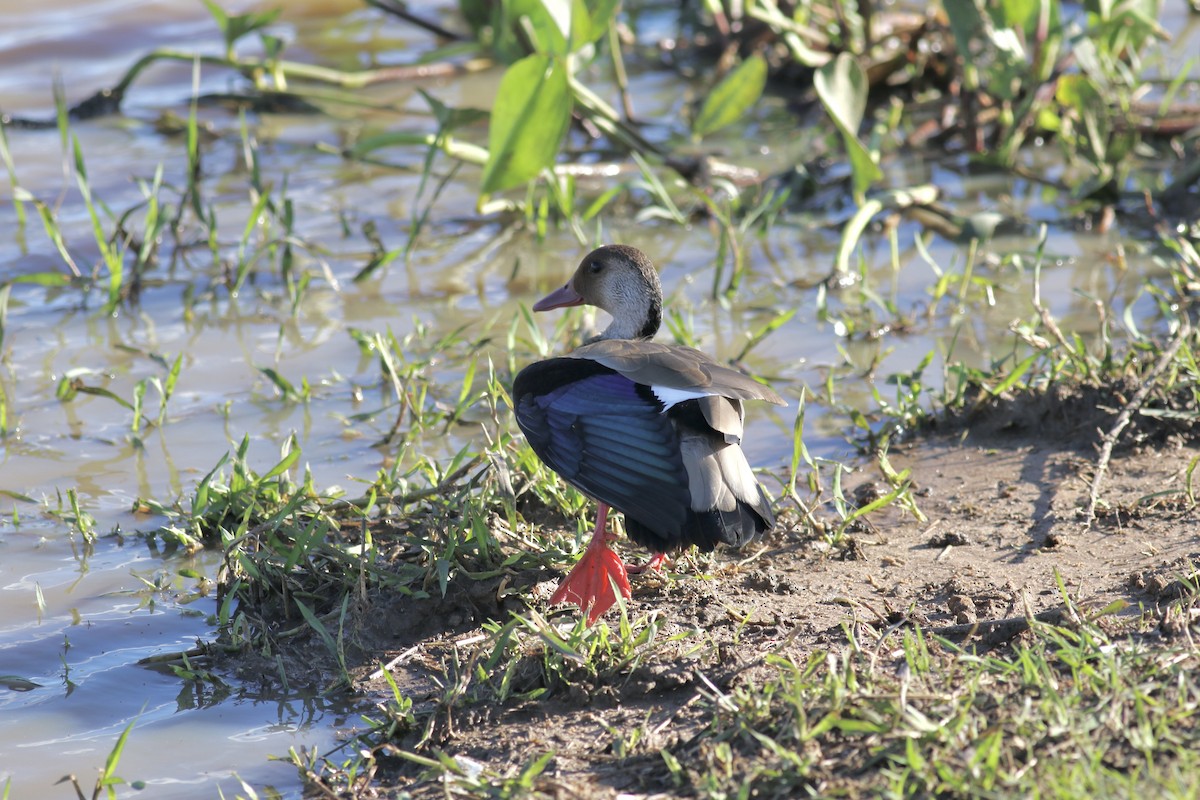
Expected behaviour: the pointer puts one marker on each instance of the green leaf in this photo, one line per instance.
(529, 119)
(732, 97)
(369, 144)
(966, 24)
(449, 117)
(218, 14)
(545, 24)
(842, 86)
(851, 232)
(1080, 93)
(108, 775)
(1016, 375)
(172, 377)
(590, 20)
(97, 391)
(1026, 15)
(236, 26)
(552, 24)
(284, 386)
(285, 463)
(315, 623)
(50, 279)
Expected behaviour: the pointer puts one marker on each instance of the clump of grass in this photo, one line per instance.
(284, 560)
(295, 554)
(1131, 381)
(78, 518)
(1086, 705)
(466, 776)
(1070, 712)
(528, 658)
(547, 657)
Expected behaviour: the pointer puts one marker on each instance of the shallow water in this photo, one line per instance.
(97, 615)
(81, 648)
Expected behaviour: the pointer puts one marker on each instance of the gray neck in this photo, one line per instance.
(636, 317)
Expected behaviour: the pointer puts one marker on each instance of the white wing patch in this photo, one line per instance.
(669, 397)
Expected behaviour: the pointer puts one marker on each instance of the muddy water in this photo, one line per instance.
(75, 619)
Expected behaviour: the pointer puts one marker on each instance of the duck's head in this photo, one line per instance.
(620, 280)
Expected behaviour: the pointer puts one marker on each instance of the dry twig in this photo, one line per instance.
(1149, 382)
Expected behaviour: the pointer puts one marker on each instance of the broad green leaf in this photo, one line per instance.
(558, 12)
(590, 20)
(546, 24)
(1048, 120)
(842, 86)
(529, 119)
(732, 97)
(1026, 15)
(966, 24)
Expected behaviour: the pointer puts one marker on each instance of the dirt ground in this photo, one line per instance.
(1004, 503)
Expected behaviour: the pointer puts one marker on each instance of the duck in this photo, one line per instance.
(648, 429)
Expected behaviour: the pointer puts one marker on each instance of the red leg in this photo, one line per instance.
(593, 583)
(655, 563)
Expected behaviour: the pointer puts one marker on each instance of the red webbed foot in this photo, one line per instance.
(594, 582)
(655, 563)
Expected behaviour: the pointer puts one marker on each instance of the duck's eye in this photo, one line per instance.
(595, 267)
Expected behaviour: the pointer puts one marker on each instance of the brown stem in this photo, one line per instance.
(1135, 403)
